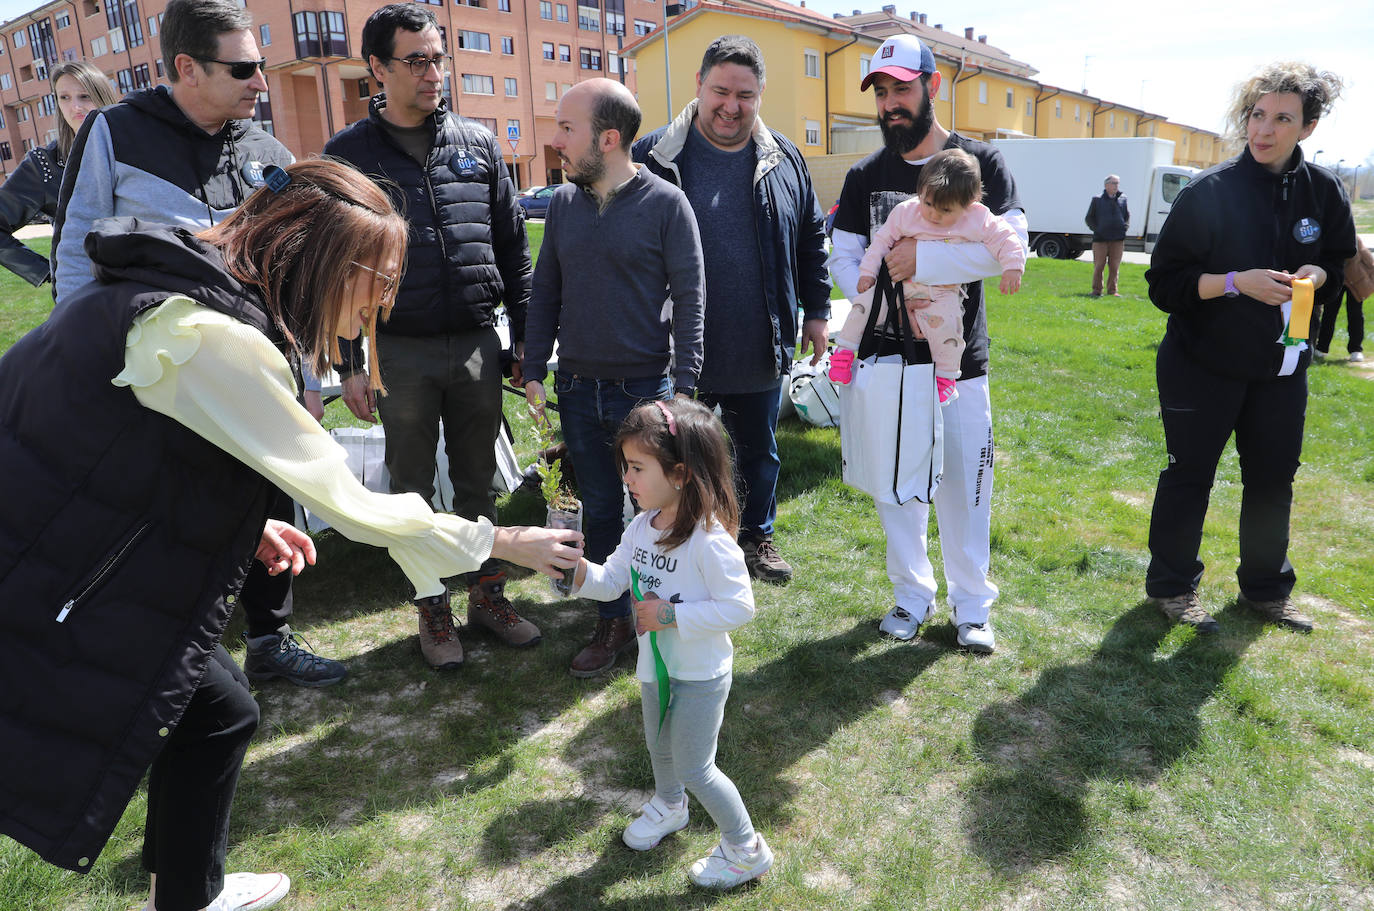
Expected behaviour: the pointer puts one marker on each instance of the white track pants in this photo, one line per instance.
(963, 509)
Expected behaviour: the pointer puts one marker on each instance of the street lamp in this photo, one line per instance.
(1355, 183)
(1316, 154)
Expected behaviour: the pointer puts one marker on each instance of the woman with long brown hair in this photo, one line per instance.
(79, 88)
(143, 428)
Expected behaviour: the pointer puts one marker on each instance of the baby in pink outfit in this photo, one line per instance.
(945, 209)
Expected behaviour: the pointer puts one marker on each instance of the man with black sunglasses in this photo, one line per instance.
(468, 254)
(186, 154)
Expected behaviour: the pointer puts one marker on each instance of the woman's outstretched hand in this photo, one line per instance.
(548, 550)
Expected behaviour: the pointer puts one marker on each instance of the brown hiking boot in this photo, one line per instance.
(438, 639)
(610, 638)
(1281, 611)
(489, 607)
(1186, 609)
(764, 561)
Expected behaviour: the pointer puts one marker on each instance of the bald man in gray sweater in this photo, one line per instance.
(619, 285)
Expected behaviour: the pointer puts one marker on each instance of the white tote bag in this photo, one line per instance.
(891, 429)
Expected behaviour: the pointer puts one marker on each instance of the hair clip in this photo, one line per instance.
(275, 178)
(667, 416)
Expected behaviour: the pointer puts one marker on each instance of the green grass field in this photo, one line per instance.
(1098, 760)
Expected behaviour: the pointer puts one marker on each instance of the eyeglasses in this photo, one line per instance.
(420, 65)
(388, 281)
(242, 70)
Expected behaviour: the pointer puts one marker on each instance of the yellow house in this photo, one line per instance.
(815, 64)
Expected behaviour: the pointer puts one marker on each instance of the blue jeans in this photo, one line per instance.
(591, 412)
(751, 419)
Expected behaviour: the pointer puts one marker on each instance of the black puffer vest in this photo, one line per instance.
(124, 539)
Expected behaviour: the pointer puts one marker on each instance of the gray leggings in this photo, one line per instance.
(684, 752)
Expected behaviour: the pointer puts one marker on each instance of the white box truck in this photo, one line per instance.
(1056, 178)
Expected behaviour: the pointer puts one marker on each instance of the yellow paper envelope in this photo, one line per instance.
(1300, 320)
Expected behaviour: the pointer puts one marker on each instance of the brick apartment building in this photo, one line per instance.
(511, 59)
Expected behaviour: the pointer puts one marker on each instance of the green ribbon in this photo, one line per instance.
(660, 669)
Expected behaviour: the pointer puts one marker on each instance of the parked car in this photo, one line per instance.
(536, 205)
(530, 191)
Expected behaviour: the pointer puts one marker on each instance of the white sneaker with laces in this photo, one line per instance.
(656, 819)
(251, 891)
(901, 624)
(727, 866)
(977, 637)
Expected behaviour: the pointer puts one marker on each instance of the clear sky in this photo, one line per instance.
(1179, 58)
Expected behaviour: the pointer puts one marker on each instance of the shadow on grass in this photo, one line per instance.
(1125, 715)
(776, 715)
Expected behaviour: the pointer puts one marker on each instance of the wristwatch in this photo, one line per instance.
(1231, 289)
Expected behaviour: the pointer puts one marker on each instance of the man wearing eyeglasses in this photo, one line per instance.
(186, 155)
(468, 255)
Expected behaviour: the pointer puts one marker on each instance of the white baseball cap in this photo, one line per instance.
(903, 57)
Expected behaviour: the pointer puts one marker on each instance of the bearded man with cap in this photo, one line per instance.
(905, 82)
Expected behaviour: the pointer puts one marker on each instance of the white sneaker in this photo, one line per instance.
(1318, 354)
(727, 867)
(1356, 356)
(977, 637)
(251, 891)
(656, 819)
(900, 624)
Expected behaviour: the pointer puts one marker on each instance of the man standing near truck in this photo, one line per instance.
(1108, 218)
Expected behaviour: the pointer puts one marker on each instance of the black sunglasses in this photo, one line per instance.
(242, 70)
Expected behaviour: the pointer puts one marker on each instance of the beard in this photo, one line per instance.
(588, 169)
(902, 139)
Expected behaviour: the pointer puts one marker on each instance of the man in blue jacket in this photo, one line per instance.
(763, 238)
(441, 355)
(1109, 219)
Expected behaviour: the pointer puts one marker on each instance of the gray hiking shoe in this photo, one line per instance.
(1185, 608)
(1281, 611)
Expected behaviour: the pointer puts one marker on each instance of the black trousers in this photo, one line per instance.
(266, 599)
(1201, 410)
(1354, 321)
(191, 786)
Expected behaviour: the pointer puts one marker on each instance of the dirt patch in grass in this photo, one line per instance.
(1129, 498)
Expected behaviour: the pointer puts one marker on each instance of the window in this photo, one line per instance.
(591, 58)
(64, 19)
(262, 113)
(565, 53)
(1111, 121)
(1011, 98)
(507, 45)
(480, 4)
(615, 23)
(503, 5)
(563, 89)
(152, 25)
(69, 54)
(613, 64)
(1058, 109)
(512, 87)
(643, 26)
(1077, 113)
(488, 122)
(1125, 124)
(1173, 184)
(5, 81)
(811, 63)
(117, 40)
(1030, 108)
(125, 80)
(20, 39)
(944, 89)
(813, 132)
(364, 88)
(23, 113)
(46, 106)
(5, 152)
(320, 34)
(545, 9)
(142, 78)
(982, 92)
(264, 34)
(548, 50)
(474, 41)
(157, 65)
(562, 12)
(98, 47)
(865, 65)
(28, 146)
(550, 91)
(2, 118)
(588, 18)
(476, 84)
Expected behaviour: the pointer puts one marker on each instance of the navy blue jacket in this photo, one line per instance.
(790, 225)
